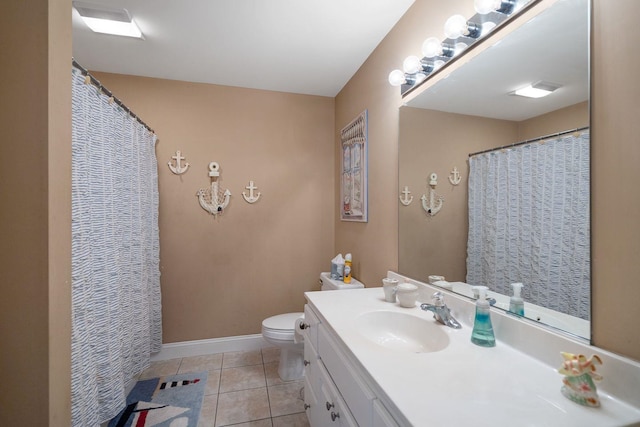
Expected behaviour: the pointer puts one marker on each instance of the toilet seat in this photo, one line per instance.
(280, 327)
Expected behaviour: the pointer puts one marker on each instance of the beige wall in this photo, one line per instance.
(35, 118)
(222, 276)
(572, 117)
(615, 232)
(615, 199)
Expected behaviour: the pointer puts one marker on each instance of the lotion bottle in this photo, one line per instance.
(347, 268)
(482, 334)
(516, 304)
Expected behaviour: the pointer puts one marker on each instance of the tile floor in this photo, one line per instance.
(243, 389)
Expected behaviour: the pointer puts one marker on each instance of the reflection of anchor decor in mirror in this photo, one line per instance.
(454, 176)
(178, 169)
(433, 203)
(213, 200)
(251, 198)
(406, 197)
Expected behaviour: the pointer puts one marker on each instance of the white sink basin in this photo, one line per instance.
(402, 332)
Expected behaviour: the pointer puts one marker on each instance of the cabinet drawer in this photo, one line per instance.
(311, 323)
(311, 362)
(355, 392)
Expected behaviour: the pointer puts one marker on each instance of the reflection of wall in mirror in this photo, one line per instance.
(434, 141)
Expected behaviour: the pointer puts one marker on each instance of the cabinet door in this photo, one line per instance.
(311, 322)
(315, 411)
(336, 411)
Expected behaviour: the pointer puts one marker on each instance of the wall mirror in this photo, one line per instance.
(473, 109)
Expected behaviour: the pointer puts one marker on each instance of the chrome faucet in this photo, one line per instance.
(440, 311)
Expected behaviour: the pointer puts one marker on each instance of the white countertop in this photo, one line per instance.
(464, 384)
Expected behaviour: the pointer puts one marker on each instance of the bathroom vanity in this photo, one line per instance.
(373, 363)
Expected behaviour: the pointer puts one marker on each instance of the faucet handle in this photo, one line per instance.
(438, 299)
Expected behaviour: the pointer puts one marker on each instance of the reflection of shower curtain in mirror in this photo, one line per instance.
(115, 277)
(529, 222)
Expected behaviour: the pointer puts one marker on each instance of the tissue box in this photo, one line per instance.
(337, 271)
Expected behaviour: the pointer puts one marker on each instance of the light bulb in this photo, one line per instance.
(431, 47)
(486, 6)
(455, 26)
(419, 78)
(437, 64)
(396, 78)
(411, 64)
(487, 27)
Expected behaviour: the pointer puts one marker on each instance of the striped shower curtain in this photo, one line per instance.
(529, 222)
(116, 322)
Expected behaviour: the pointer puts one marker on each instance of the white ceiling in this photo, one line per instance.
(553, 47)
(296, 46)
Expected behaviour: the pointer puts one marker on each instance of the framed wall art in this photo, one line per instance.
(353, 189)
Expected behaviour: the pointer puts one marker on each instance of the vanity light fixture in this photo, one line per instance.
(537, 90)
(436, 52)
(108, 20)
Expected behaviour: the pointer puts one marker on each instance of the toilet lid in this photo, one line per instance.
(281, 322)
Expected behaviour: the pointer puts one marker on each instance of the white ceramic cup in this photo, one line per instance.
(407, 294)
(389, 287)
(433, 279)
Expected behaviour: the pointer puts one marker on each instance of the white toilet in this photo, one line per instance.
(279, 331)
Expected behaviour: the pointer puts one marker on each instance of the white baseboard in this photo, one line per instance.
(210, 346)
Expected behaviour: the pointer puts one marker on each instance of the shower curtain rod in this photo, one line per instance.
(529, 141)
(107, 92)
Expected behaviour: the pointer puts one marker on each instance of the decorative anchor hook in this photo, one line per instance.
(178, 169)
(406, 197)
(454, 176)
(213, 200)
(434, 203)
(251, 198)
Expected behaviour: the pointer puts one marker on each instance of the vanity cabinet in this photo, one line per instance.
(335, 388)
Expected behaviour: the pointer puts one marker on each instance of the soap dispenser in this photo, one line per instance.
(482, 334)
(516, 305)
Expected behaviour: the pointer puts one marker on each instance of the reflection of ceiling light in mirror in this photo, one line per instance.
(537, 90)
(106, 20)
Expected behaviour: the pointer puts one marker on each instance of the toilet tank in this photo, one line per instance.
(329, 284)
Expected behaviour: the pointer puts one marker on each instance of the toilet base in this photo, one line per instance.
(291, 365)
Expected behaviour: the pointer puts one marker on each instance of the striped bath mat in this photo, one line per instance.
(173, 401)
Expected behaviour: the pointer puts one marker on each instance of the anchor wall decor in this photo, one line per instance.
(433, 203)
(454, 176)
(406, 197)
(178, 169)
(213, 200)
(251, 198)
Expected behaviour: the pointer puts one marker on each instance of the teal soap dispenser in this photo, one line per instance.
(482, 334)
(516, 304)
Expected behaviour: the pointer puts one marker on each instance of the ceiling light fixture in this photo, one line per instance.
(537, 90)
(107, 20)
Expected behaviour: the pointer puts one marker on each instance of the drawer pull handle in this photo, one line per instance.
(334, 416)
(330, 405)
(306, 362)
(304, 326)
(306, 406)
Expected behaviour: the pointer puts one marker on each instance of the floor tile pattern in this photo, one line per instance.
(243, 389)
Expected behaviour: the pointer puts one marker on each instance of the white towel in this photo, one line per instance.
(297, 331)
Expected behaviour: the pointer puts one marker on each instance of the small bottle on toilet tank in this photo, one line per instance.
(347, 268)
